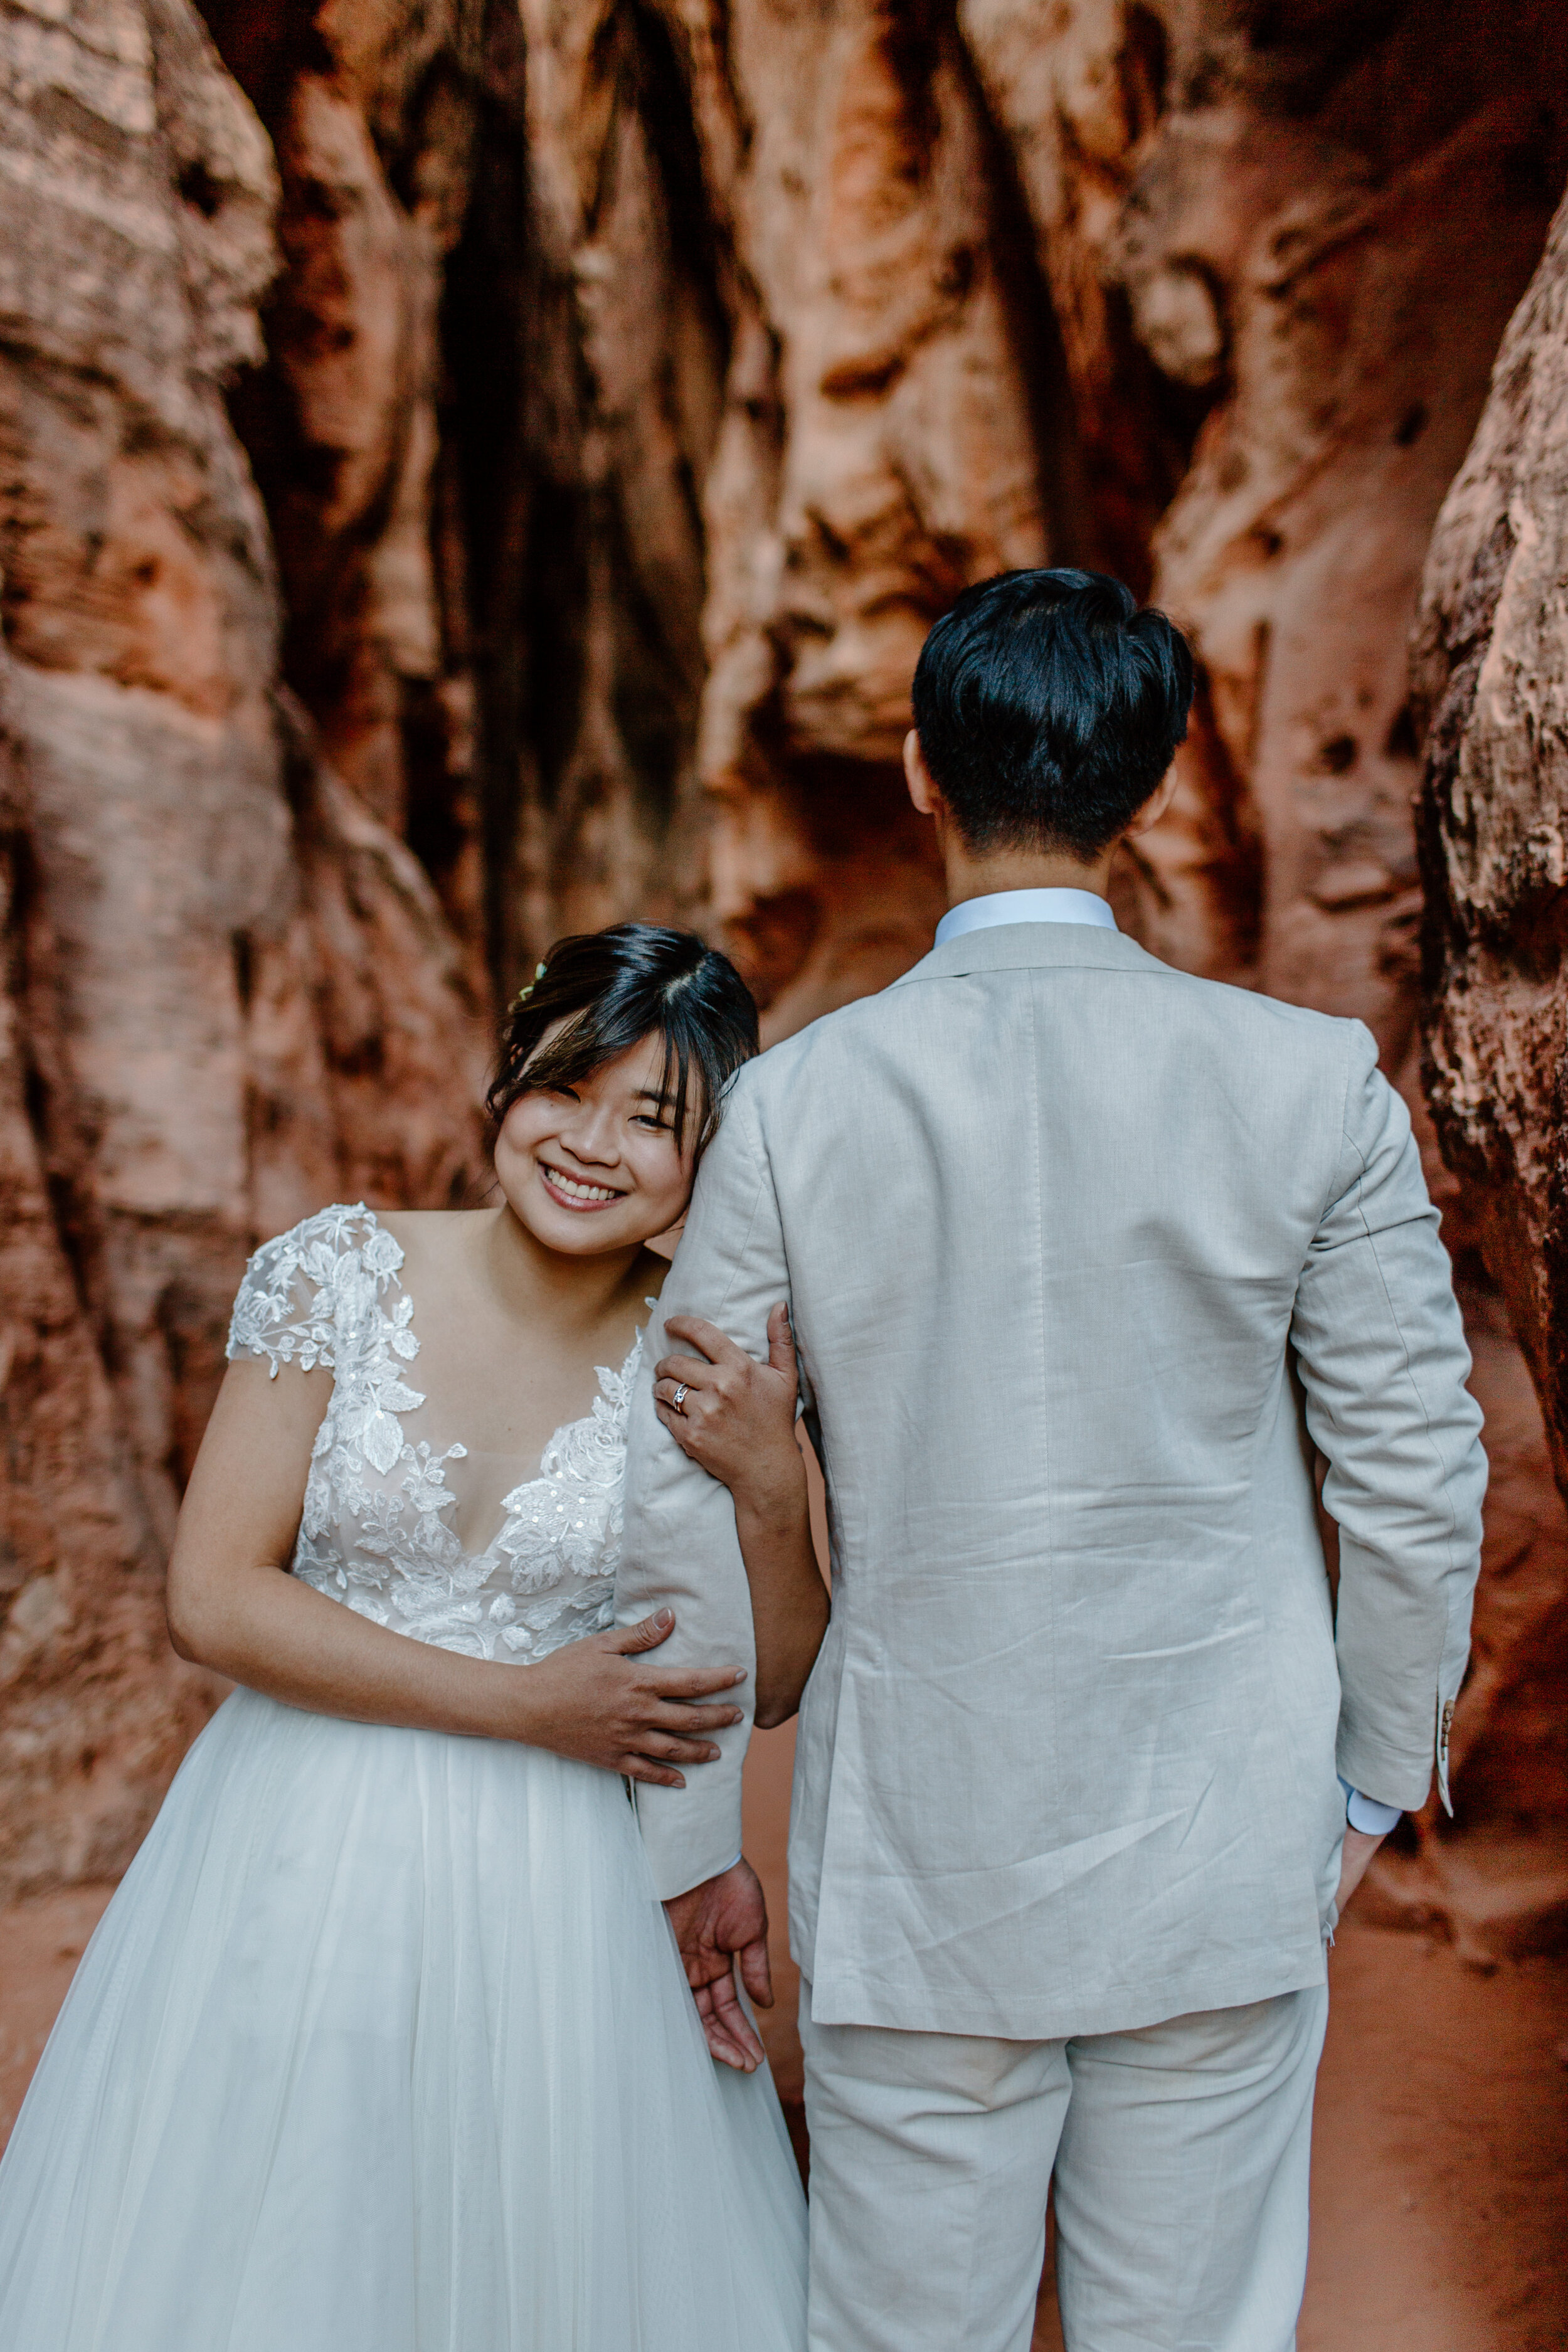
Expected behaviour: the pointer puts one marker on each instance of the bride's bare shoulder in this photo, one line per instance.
(428, 1233)
(400, 1221)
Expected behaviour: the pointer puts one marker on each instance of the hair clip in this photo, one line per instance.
(524, 993)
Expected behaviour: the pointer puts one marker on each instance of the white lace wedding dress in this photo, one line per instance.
(383, 2045)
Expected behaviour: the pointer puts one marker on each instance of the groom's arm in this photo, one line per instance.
(1384, 1362)
(680, 1548)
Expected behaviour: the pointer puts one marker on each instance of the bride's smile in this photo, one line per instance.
(575, 1195)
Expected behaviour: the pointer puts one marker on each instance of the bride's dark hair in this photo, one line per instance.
(613, 988)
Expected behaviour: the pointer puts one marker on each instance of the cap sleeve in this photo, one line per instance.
(297, 1300)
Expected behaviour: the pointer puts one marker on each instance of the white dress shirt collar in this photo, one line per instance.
(1024, 906)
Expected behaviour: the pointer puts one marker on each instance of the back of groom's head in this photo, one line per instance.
(1049, 705)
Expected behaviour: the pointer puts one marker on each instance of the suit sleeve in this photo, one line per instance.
(680, 1549)
(1384, 1362)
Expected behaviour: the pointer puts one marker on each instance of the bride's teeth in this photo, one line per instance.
(580, 1192)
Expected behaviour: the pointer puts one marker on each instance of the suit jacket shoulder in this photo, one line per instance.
(1235, 1018)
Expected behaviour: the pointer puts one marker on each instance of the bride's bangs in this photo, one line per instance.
(613, 989)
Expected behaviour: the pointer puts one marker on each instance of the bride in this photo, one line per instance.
(383, 2045)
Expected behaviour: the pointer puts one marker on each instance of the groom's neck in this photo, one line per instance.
(978, 874)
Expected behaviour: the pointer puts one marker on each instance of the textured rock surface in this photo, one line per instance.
(495, 354)
(488, 468)
(1491, 670)
(229, 992)
(1491, 679)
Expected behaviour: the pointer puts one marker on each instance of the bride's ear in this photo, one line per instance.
(665, 1244)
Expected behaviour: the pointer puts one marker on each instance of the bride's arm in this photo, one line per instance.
(737, 1421)
(232, 1606)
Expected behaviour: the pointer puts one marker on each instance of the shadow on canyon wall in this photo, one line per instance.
(476, 470)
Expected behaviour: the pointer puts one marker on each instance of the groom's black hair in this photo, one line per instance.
(613, 989)
(1049, 705)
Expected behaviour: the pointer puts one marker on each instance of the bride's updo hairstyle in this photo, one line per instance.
(614, 988)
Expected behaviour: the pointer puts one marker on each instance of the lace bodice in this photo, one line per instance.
(378, 1530)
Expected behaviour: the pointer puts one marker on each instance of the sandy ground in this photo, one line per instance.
(1440, 2162)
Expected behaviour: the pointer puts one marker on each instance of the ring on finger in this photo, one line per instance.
(678, 1401)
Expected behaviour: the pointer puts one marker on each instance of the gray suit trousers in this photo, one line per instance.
(1180, 2153)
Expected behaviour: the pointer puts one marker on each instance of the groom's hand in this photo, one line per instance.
(724, 1920)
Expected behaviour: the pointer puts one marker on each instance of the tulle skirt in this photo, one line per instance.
(384, 2046)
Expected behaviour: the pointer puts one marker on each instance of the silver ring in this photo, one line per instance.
(678, 1401)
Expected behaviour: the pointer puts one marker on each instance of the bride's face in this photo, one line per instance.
(598, 1166)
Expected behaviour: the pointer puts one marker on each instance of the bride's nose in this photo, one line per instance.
(592, 1133)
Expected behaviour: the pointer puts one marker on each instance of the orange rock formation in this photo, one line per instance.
(229, 987)
(1492, 685)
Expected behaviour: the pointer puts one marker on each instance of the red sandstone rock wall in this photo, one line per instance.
(495, 354)
(229, 991)
(1491, 677)
(489, 467)
(1491, 671)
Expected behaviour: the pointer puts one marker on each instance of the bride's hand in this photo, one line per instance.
(601, 1702)
(735, 1417)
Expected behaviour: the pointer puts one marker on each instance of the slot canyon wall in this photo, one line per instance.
(476, 468)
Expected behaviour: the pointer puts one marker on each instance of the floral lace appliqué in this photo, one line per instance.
(375, 1532)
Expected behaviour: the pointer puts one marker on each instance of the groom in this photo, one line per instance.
(1089, 1263)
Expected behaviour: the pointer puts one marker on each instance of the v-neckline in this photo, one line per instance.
(541, 1476)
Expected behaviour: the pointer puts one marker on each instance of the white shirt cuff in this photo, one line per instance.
(1364, 1813)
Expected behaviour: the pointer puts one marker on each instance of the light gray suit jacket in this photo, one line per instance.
(1083, 1255)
